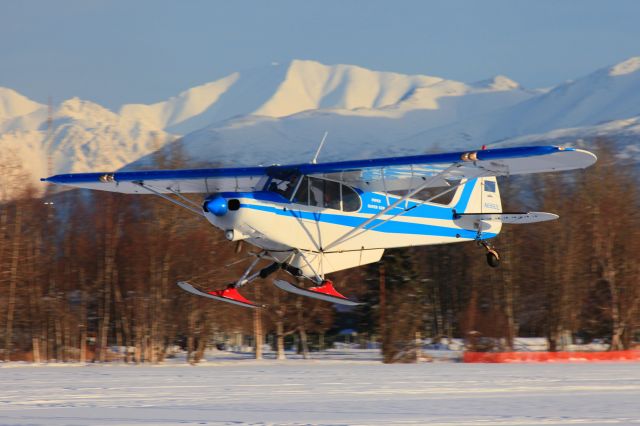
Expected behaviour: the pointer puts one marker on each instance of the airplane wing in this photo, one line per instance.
(379, 174)
(205, 181)
(404, 173)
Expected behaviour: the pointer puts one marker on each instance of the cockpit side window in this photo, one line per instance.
(350, 199)
(324, 193)
(316, 190)
(331, 195)
(327, 194)
(302, 195)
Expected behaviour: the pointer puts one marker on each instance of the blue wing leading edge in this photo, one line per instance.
(395, 173)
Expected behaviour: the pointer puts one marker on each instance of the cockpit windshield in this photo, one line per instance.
(282, 186)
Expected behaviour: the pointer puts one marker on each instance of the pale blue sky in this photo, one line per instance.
(116, 52)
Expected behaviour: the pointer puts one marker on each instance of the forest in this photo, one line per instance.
(82, 273)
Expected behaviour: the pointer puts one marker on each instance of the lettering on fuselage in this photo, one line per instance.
(377, 206)
(491, 206)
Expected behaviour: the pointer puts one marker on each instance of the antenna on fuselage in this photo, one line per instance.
(315, 157)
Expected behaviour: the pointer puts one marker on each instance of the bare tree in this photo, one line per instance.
(13, 280)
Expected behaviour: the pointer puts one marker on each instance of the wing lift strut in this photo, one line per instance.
(185, 203)
(493, 257)
(364, 226)
(324, 289)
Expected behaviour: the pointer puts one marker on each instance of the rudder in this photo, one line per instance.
(476, 197)
(480, 195)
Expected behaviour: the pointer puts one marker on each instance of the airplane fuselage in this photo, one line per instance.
(283, 227)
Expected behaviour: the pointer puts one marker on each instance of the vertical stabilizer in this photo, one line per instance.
(480, 195)
(477, 197)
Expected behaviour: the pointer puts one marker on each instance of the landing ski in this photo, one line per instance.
(324, 292)
(229, 295)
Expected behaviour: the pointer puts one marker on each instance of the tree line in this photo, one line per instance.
(82, 273)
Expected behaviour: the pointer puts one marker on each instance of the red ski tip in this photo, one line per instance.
(327, 288)
(324, 291)
(232, 294)
(228, 295)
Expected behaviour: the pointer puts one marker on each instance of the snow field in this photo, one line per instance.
(327, 392)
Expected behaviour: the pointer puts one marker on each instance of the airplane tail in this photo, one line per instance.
(478, 196)
(477, 206)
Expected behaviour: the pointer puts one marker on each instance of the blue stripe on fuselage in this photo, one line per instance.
(373, 202)
(380, 225)
(415, 208)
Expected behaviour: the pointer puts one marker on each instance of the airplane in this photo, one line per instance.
(312, 219)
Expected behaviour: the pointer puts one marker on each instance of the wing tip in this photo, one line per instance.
(587, 158)
(590, 154)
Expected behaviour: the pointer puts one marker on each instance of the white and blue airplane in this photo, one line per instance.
(315, 218)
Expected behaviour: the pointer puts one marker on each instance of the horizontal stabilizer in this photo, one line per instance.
(527, 217)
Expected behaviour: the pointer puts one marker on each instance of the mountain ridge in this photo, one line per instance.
(278, 113)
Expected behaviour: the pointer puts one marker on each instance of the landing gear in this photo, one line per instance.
(323, 289)
(230, 293)
(493, 258)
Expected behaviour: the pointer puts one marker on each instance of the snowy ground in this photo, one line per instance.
(336, 390)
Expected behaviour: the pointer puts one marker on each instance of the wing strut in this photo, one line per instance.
(183, 198)
(171, 200)
(408, 195)
(350, 234)
(384, 184)
(418, 204)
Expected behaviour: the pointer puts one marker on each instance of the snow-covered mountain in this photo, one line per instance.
(278, 113)
(82, 137)
(281, 90)
(609, 94)
(13, 104)
(363, 110)
(603, 103)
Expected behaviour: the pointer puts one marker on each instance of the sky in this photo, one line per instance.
(143, 51)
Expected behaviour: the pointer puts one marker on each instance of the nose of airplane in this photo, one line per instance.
(218, 206)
